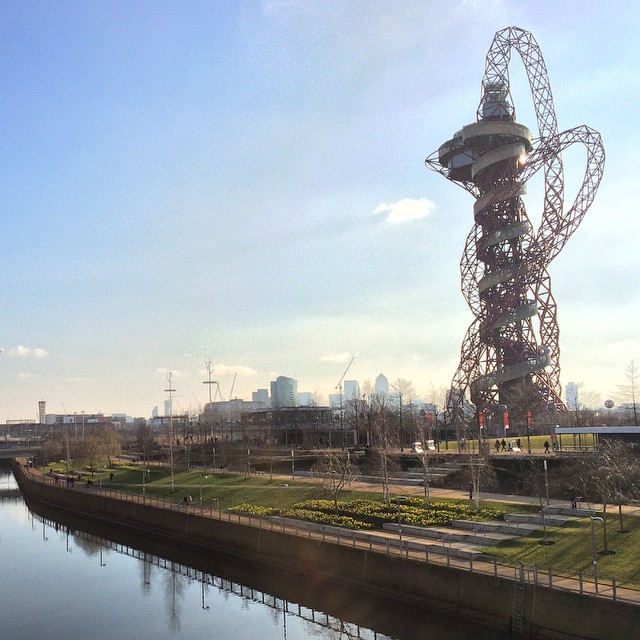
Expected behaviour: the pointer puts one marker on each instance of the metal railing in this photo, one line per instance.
(436, 551)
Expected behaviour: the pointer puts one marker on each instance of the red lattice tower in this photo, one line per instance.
(513, 341)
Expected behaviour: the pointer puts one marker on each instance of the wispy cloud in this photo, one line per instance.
(345, 356)
(27, 352)
(223, 370)
(405, 210)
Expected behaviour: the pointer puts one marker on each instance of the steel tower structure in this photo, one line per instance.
(511, 348)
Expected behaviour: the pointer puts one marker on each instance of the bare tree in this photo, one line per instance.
(536, 482)
(337, 472)
(403, 389)
(111, 443)
(53, 446)
(481, 476)
(380, 417)
(92, 449)
(608, 474)
(425, 459)
(630, 391)
(582, 415)
(317, 399)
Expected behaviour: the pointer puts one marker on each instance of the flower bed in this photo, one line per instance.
(368, 514)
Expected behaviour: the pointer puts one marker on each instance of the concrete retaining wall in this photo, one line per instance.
(484, 599)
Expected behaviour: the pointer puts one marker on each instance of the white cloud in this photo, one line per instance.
(27, 352)
(223, 369)
(405, 210)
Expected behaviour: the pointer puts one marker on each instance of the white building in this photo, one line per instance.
(351, 390)
(382, 385)
(284, 392)
(261, 397)
(571, 395)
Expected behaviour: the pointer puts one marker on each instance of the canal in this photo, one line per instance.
(68, 578)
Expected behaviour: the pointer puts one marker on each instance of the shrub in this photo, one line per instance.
(252, 509)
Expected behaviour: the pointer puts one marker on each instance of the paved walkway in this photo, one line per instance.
(397, 488)
(395, 543)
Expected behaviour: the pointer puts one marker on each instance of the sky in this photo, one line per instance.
(242, 182)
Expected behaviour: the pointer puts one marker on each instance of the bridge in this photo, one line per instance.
(16, 448)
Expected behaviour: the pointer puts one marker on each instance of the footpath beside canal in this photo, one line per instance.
(489, 599)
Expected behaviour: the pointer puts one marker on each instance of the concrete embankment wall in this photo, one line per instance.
(487, 600)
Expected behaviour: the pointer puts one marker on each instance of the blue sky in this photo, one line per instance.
(243, 181)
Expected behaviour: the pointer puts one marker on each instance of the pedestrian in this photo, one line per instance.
(497, 446)
(471, 491)
(546, 446)
(111, 477)
(503, 444)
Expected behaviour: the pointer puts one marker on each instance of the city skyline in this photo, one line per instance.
(244, 183)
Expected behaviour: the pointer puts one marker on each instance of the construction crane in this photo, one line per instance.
(233, 384)
(339, 385)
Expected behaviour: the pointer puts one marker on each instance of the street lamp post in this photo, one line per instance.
(546, 480)
(400, 500)
(171, 391)
(280, 486)
(593, 548)
(202, 476)
(145, 473)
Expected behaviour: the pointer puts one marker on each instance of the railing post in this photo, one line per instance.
(580, 580)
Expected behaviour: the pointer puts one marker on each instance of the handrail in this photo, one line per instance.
(561, 579)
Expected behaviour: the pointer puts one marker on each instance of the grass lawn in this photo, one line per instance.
(571, 548)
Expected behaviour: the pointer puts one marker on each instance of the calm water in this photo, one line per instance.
(65, 579)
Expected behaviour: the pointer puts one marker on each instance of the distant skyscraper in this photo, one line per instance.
(571, 395)
(382, 385)
(284, 392)
(334, 400)
(261, 396)
(351, 390)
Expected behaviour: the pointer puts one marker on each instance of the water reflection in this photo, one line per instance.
(177, 577)
(175, 591)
